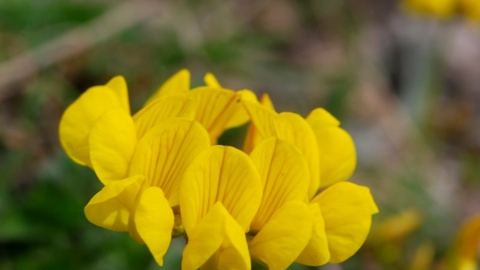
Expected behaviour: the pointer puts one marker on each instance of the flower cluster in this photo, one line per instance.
(165, 176)
(445, 8)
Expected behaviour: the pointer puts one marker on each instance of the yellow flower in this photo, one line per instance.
(162, 177)
(217, 108)
(289, 127)
(464, 251)
(220, 194)
(283, 224)
(142, 202)
(347, 211)
(329, 149)
(79, 117)
(342, 212)
(471, 9)
(335, 146)
(438, 8)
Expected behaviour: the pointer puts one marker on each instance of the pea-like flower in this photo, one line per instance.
(343, 210)
(283, 224)
(164, 176)
(220, 194)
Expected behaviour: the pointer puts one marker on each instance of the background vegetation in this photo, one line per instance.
(406, 87)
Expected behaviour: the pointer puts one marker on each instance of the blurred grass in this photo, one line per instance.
(334, 54)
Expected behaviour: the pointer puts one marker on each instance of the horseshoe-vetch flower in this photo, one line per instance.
(142, 202)
(217, 108)
(81, 115)
(220, 194)
(163, 178)
(342, 212)
(283, 224)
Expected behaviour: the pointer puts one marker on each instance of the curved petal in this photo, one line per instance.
(284, 236)
(316, 252)
(320, 118)
(220, 174)
(154, 222)
(111, 207)
(293, 128)
(290, 127)
(252, 138)
(178, 83)
(347, 210)
(240, 116)
(78, 119)
(112, 141)
(211, 81)
(336, 148)
(262, 118)
(119, 87)
(215, 107)
(216, 242)
(338, 157)
(164, 153)
(284, 174)
(163, 108)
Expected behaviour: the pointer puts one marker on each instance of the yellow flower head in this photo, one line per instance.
(464, 251)
(437, 8)
(163, 177)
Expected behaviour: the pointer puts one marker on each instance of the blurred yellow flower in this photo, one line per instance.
(471, 9)
(464, 251)
(436, 8)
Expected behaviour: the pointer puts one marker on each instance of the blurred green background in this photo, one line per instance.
(406, 87)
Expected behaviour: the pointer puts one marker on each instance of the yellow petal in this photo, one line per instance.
(335, 146)
(284, 174)
(240, 116)
(211, 81)
(79, 117)
(252, 138)
(163, 154)
(347, 210)
(424, 256)
(319, 118)
(267, 102)
(292, 128)
(215, 107)
(119, 87)
(178, 83)
(338, 157)
(216, 242)
(262, 118)
(112, 141)
(220, 174)
(162, 108)
(110, 208)
(283, 237)
(154, 221)
(316, 252)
